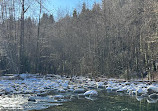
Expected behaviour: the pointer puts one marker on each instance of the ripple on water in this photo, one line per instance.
(20, 102)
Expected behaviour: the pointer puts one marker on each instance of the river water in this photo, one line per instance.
(58, 94)
(107, 102)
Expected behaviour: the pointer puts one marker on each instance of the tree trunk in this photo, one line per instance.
(38, 36)
(21, 55)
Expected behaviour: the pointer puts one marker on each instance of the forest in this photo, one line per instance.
(115, 38)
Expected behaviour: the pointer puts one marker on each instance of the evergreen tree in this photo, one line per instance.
(83, 8)
(74, 13)
(51, 18)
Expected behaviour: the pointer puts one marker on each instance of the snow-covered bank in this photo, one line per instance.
(28, 89)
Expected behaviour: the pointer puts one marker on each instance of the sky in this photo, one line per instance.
(61, 7)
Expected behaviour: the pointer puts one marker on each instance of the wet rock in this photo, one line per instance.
(1, 93)
(58, 97)
(149, 100)
(144, 95)
(67, 96)
(79, 90)
(139, 98)
(32, 99)
(139, 92)
(153, 96)
(100, 85)
(152, 89)
(70, 90)
(109, 88)
(8, 90)
(81, 95)
(73, 97)
(114, 89)
(121, 90)
(92, 87)
(25, 76)
(65, 85)
(127, 83)
(91, 93)
(62, 91)
(134, 93)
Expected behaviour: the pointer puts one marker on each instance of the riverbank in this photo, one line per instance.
(33, 91)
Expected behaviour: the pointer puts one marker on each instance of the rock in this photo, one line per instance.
(58, 97)
(73, 97)
(91, 93)
(32, 99)
(114, 89)
(92, 87)
(121, 90)
(139, 98)
(153, 96)
(79, 90)
(25, 76)
(1, 93)
(130, 89)
(144, 95)
(62, 91)
(149, 100)
(81, 95)
(91, 98)
(67, 96)
(8, 90)
(100, 85)
(64, 85)
(109, 88)
(70, 90)
(134, 92)
(152, 89)
(139, 92)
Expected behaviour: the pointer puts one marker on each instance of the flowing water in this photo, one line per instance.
(107, 102)
(49, 95)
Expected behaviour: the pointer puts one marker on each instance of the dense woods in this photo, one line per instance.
(117, 38)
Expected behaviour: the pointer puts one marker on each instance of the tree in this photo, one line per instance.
(51, 19)
(75, 14)
(22, 50)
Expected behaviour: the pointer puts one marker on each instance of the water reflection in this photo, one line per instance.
(109, 101)
(106, 101)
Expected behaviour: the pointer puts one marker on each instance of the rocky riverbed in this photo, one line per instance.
(33, 91)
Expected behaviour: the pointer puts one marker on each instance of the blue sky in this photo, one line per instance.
(67, 6)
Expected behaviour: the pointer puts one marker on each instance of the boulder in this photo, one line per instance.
(32, 99)
(139, 92)
(92, 87)
(100, 85)
(70, 90)
(73, 97)
(139, 98)
(8, 90)
(114, 89)
(144, 95)
(79, 90)
(109, 88)
(91, 93)
(127, 83)
(58, 97)
(152, 89)
(81, 95)
(25, 76)
(134, 93)
(121, 90)
(153, 96)
(149, 100)
(62, 91)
